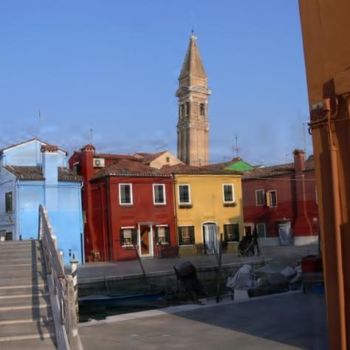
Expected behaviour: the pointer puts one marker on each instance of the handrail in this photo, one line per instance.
(61, 288)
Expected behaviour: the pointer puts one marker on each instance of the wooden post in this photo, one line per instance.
(218, 278)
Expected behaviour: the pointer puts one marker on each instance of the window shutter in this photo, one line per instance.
(191, 230)
(179, 233)
(235, 232)
(134, 237)
(268, 199)
(121, 237)
(167, 234)
(156, 236)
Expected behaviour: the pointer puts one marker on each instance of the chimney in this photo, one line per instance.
(50, 163)
(87, 157)
(299, 160)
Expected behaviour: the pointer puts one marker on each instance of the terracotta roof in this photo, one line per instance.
(127, 167)
(35, 173)
(49, 148)
(147, 158)
(193, 170)
(67, 175)
(278, 170)
(115, 156)
(26, 172)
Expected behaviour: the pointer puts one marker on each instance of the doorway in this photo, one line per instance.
(210, 239)
(145, 240)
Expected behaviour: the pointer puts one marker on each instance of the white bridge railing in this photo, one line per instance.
(63, 295)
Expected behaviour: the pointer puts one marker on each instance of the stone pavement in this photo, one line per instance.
(277, 322)
(100, 271)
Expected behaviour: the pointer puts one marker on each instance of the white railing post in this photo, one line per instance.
(74, 273)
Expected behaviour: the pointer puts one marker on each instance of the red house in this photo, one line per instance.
(126, 204)
(280, 202)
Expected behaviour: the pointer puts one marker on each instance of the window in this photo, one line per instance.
(271, 198)
(231, 232)
(127, 236)
(186, 235)
(187, 109)
(125, 194)
(202, 109)
(159, 194)
(182, 110)
(261, 229)
(184, 195)
(260, 197)
(162, 234)
(228, 193)
(8, 202)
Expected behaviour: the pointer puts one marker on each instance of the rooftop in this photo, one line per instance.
(35, 173)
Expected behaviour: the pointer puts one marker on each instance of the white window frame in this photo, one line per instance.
(233, 193)
(265, 231)
(154, 194)
(132, 228)
(165, 226)
(189, 194)
(256, 197)
(131, 194)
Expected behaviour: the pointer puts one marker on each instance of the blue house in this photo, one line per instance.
(33, 173)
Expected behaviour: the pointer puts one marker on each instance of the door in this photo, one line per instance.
(210, 238)
(145, 241)
(285, 233)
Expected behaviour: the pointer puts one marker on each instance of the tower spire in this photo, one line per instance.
(193, 93)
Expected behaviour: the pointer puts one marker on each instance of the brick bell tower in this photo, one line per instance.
(193, 94)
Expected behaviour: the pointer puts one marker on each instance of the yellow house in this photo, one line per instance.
(208, 204)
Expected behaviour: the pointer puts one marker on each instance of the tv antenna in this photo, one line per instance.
(235, 147)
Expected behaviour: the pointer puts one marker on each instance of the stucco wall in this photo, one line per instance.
(28, 154)
(7, 184)
(207, 203)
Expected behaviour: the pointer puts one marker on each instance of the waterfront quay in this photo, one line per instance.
(126, 277)
(278, 322)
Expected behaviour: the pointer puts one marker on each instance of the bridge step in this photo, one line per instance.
(20, 271)
(28, 280)
(30, 300)
(25, 311)
(30, 313)
(25, 329)
(47, 342)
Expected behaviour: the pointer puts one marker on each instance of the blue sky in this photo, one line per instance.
(112, 66)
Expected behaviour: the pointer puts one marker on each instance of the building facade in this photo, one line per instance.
(128, 207)
(280, 202)
(35, 173)
(208, 204)
(193, 124)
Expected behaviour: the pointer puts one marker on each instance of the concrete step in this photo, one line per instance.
(29, 313)
(27, 254)
(34, 299)
(21, 272)
(22, 290)
(18, 261)
(47, 343)
(27, 280)
(24, 243)
(29, 328)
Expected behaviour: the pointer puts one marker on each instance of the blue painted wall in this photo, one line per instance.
(61, 199)
(28, 154)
